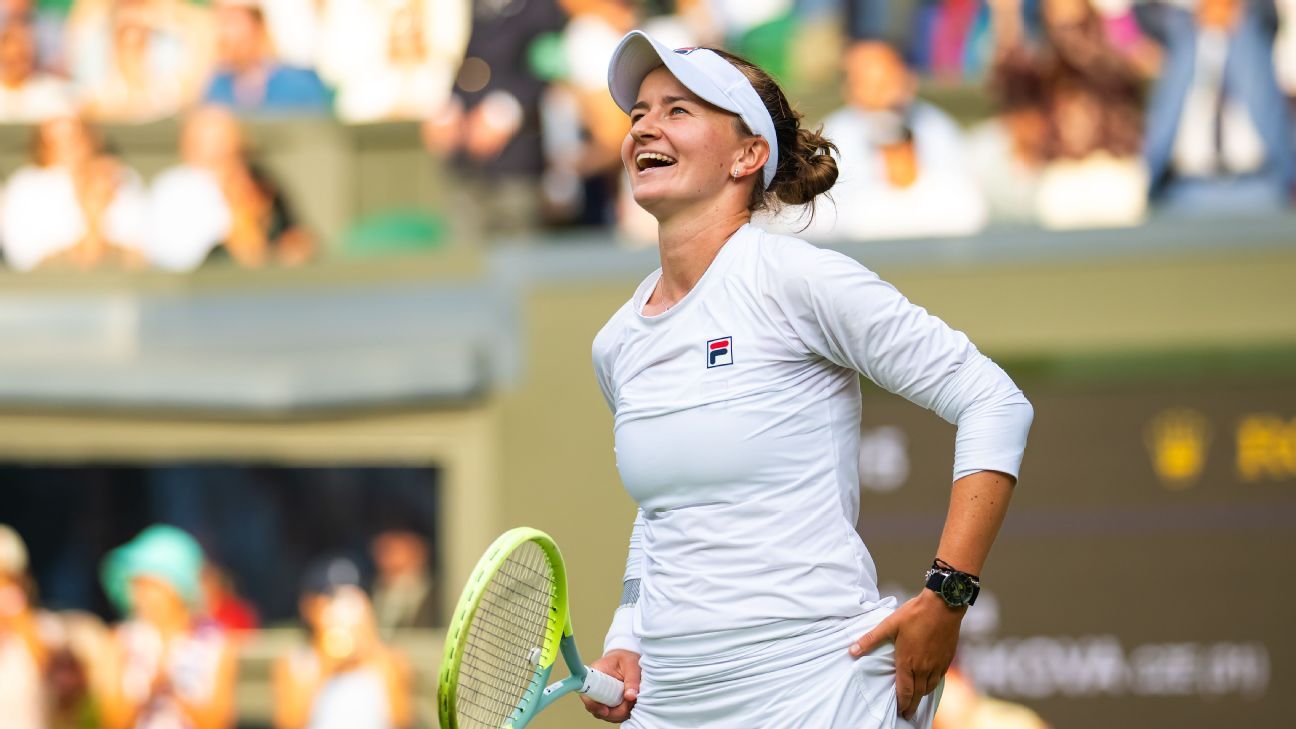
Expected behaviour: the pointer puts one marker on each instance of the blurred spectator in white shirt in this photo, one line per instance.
(902, 166)
(1006, 152)
(149, 73)
(26, 94)
(216, 203)
(407, 69)
(74, 205)
(139, 60)
(1093, 175)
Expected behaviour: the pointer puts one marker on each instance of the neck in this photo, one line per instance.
(688, 242)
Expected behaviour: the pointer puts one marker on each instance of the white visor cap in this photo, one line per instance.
(703, 72)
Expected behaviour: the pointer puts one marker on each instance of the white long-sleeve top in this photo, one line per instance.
(737, 419)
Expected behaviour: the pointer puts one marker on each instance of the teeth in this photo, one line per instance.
(645, 156)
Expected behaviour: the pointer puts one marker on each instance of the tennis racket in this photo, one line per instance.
(511, 624)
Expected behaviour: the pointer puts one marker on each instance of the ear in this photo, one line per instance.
(751, 158)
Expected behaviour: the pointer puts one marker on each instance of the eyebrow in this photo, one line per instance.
(665, 100)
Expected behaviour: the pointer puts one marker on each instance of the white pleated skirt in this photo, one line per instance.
(806, 682)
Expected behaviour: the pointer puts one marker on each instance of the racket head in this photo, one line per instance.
(504, 637)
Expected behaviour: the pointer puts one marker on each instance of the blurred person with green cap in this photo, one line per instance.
(168, 669)
(23, 655)
(345, 677)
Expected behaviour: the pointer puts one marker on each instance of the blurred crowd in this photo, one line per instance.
(172, 660)
(1103, 112)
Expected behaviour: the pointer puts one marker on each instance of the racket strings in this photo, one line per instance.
(510, 626)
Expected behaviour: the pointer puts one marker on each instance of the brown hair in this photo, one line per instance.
(806, 168)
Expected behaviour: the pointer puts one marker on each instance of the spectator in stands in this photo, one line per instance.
(47, 28)
(221, 601)
(143, 59)
(583, 127)
(217, 203)
(75, 205)
(27, 95)
(346, 678)
(79, 644)
(248, 77)
(1092, 173)
(490, 130)
(402, 592)
(1094, 176)
(902, 168)
(169, 669)
(1219, 135)
(23, 655)
(1006, 152)
(406, 72)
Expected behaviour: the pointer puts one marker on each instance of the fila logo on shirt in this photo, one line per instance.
(720, 352)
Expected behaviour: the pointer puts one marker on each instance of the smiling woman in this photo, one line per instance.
(733, 377)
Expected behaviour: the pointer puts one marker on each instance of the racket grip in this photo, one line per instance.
(603, 688)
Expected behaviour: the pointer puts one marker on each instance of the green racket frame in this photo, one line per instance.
(558, 633)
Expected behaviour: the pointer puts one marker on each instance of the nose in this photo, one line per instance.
(644, 129)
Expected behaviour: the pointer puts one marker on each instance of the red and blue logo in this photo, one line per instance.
(720, 352)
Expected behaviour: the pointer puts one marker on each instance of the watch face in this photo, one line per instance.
(957, 589)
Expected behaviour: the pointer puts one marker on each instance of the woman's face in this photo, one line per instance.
(680, 149)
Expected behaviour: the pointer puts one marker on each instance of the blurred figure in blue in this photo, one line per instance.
(345, 678)
(169, 670)
(901, 158)
(1218, 135)
(23, 655)
(249, 78)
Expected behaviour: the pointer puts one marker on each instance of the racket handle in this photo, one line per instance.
(603, 688)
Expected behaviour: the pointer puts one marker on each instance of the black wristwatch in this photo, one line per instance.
(957, 589)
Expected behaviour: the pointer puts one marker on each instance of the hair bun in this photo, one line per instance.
(811, 169)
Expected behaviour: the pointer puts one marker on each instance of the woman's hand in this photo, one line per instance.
(925, 631)
(623, 665)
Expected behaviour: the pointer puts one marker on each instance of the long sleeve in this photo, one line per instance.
(845, 313)
(621, 635)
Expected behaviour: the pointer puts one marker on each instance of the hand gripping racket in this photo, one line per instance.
(511, 623)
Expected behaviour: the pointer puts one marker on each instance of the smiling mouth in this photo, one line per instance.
(649, 160)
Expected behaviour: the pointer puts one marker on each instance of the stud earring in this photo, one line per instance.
(735, 174)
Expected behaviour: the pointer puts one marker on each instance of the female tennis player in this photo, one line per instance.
(733, 375)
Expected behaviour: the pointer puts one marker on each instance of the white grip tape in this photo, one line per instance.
(603, 688)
